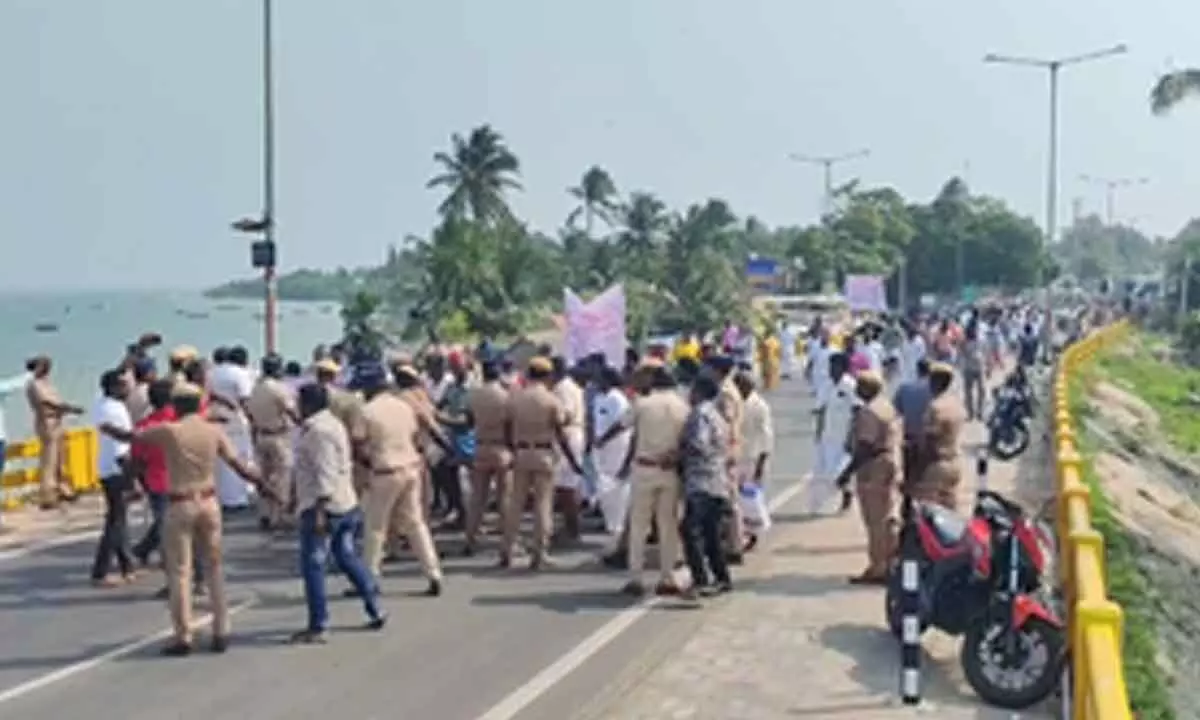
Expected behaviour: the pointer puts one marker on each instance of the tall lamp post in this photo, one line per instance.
(262, 250)
(827, 162)
(1111, 186)
(1053, 67)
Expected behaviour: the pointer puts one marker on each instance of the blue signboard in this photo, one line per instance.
(761, 267)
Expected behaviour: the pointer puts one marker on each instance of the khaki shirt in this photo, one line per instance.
(875, 434)
(570, 396)
(269, 406)
(347, 407)
(323, 465)
(537, 416)
(657, 420)
(489, 405)
(944, 421)
(191, 447)
(732, 407)
(390, 434)
(39, 392)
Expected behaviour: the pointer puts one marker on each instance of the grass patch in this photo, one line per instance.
(1149, 690)
(1172, 390)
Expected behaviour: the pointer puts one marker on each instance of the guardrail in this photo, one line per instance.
(20, 484)
(1095, 622)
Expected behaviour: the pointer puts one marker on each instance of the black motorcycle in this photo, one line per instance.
(1013, 406)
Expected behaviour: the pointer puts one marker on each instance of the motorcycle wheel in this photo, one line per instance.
(1010, 448)
(1019, 682)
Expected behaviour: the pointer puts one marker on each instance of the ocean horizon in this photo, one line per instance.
(85, 332)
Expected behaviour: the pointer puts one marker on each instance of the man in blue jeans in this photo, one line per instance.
(329, 514)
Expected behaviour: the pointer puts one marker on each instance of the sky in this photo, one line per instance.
(130, 130)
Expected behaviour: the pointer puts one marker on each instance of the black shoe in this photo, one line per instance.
(377, 623)
(734, 558)
(847, 501)
(309, 637)
(219, 644)
(468, 551)
(633, 588)
(264, 524)
(434, 589)
(176, 649)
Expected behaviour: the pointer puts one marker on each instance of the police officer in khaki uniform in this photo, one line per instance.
(178, 360)
(657, 419)
(272, 413)
(491, 416)
(944, 422)
(731, 405)
(389, 445)
(538, 422)
(410, 387)
(875, 461)
(192, 446)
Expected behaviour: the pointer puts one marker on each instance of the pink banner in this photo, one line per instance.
(866, 292)
(597, 326)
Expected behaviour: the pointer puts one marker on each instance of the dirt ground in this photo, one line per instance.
(1154, 492)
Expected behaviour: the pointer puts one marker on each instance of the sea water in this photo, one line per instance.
(93, 328)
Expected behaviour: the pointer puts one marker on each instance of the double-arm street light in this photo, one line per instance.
(1111, 186)
(827, 162)
(262, 251)
(1053, 67)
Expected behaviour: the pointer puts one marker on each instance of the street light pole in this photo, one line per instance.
(268, 109)
(1111, 186)
(1053, 66)
(827, 162)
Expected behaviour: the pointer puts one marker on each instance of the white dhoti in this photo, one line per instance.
(232, 490)
(832, 458)
(612, 493)
(788, 360)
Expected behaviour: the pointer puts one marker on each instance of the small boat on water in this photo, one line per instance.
(46, 327)
(225, 307)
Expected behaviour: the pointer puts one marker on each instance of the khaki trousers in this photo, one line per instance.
(397, 494)
(50, 465)
(197, 521)
(490, 470)
(274, 456)
(540, 482)
(875, 503)
(654, 496)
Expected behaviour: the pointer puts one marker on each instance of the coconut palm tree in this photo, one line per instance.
(478, 172)
(597, 196)
(1173, 88)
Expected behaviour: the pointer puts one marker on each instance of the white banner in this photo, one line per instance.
(866, 292)
(597, 326)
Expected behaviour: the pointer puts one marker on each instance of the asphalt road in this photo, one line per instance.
(498, 645)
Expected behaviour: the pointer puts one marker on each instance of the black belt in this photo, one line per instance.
(535, 446)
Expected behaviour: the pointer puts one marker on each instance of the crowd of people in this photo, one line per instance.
(363, 457)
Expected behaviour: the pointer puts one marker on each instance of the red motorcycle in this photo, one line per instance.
(981, 577)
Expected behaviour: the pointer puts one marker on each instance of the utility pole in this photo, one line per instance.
(827, 162)
(1111, 186)
(1053, 68)
(262, 252)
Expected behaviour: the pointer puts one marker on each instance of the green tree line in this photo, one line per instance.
(484, 271)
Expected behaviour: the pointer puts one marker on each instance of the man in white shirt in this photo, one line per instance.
(609, 409)
(818, 362)
(787, 342)
(110, 414)
(912, 351)
(835, 410)
(758, 441)
(8, 386)
(230, 384)
(329, 514)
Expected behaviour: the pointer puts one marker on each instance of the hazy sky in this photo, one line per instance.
(129, 129)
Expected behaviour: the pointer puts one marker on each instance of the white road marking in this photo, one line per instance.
(34, 547)
(521, 698)
(50, 678)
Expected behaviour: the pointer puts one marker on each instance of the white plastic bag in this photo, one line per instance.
(753, 503)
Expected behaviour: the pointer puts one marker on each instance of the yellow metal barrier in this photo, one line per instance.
(78, 466)
(1094, 622)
